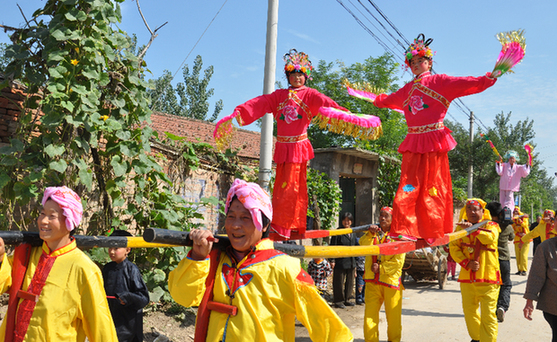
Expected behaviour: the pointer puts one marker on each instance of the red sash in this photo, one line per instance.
(31, 296)
(203, 312)
(19, 267)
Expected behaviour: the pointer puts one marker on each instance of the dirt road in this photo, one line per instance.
(430, 314)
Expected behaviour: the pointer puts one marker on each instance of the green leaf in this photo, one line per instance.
(120, 167)
(86, 178)
(59, 35)
(58, 165)
(54, 150)
(4, 179)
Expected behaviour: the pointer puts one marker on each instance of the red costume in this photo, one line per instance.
(293, 109)
(423, 205)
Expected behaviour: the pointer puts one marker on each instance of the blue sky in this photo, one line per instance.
(464, 41)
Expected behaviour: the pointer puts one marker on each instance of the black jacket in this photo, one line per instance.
(344, 240)
(124, 281)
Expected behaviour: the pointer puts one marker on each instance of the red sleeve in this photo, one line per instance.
(454, 87)
(255, 108)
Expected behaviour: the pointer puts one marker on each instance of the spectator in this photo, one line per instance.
(542, 284)
(319, 269)
(344, 268)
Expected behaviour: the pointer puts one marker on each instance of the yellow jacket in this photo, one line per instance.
(390, 266)
(72, 304)
(270, 290)
(540, 231)
(483, 244)
(520, 230)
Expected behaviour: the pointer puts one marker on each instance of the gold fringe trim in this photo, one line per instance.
(347, 128)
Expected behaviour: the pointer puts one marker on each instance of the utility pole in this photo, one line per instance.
(470, 167)
(266, 146)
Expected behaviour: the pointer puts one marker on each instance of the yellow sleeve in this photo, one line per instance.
(186, 283)
(316, 315)
(95, 314)
(367, 239)
(534, 233)
(488, 235)
(5, 274)
(456, 250)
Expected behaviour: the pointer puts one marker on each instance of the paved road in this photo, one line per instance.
(430, 314)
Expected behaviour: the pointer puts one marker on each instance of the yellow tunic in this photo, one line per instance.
(390, 267)
(270, 290)
(72, 304)
(462, 253)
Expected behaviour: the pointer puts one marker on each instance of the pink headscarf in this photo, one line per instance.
(69, 201)
(254, 199)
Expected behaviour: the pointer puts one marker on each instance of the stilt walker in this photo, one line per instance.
(423, 205)
(294, 109)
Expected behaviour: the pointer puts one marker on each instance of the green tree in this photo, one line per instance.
(4, 61)
(189, 99)
(379, 72)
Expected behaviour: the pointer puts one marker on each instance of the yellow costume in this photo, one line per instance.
(269, 290)
(521, 228)
(72, 304)
(542, 231)
(385, 288)
(480, 288)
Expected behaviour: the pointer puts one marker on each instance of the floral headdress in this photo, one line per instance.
(297, 62)
(420, 47)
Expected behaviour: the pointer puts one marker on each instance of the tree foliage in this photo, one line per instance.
(189, 99)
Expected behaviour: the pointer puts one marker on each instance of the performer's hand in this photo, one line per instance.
(465, 224)
(2, 249)
(474, 265)
(374, 228)
(528, 309)
(121, 301)
(375, 268)
(201, 243)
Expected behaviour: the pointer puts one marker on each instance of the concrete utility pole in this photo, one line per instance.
(266, 147)
(470, 167)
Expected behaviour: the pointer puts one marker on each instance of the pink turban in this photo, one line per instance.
(69, 201)
(254, 199)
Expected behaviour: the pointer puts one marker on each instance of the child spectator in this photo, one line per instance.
(56, 291)
(344, 268)
(126, 292)
(319, 269)
(360, 283)
(451, 264)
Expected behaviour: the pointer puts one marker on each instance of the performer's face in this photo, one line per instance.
(474, 213)
(420, 65)
(547, 216)
(240, 228)
(52, 226)
(297, 79)
(512, 160)
(385, 220)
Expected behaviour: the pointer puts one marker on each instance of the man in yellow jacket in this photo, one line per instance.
(480, 277)
(383, 285)
(521, 249)
(545, 229)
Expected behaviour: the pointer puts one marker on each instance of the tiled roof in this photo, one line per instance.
(198, 130)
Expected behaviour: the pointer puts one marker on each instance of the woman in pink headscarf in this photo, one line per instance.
(249, 291)
(56, 291)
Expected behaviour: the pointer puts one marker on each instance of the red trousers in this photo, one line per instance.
(423, 205)
(290, 199)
